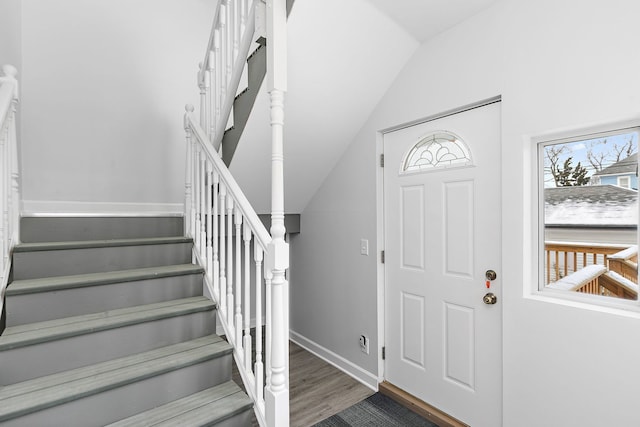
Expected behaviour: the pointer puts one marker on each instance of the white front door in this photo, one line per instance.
(442, 233)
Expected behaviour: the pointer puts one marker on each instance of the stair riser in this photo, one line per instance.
(240, 420)
(38, 307)
(66, 229)
(64, 262)
(113, 405)
(24, 363)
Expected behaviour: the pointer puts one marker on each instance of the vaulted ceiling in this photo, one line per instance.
(343, 56)
(423, 19)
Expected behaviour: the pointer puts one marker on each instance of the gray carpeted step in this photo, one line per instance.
(58, 229)
(37, 300)
(82, 340)
(106, 392)
(52, 259)
(225, 402)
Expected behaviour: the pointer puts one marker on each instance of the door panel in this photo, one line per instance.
(442, 232)
(412, 226)
(458, 220)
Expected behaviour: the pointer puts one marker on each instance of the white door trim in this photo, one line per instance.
(442, 114)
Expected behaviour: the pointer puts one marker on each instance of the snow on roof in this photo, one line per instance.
(591, 206)
(624, 166)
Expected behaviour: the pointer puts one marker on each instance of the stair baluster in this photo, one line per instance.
(238, 277)
(246, 235)
(9, 176)
(214, 275)
(230, 278)
(259, 366)
(223, 253)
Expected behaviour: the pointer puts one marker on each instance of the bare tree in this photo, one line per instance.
(602, 158)
(624, 150)
(553, 154)
(598, 160)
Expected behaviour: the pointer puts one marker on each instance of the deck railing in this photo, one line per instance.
(230, 241)
(607, 270)
(9, 174)
(564, 258)
(625, 263)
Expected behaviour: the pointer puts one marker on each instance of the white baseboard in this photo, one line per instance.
(356, 372)
(71, 208)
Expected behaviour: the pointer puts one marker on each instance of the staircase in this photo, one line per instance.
(244, 101)
(112, 320)
(106, 322)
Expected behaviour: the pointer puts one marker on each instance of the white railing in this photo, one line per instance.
(9, 174)
(230, 242)
(232, 34)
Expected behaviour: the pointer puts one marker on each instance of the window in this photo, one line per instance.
(588, 226)
(440, 149)
(624, 181)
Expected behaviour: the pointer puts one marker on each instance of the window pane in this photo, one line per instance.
(591, 215)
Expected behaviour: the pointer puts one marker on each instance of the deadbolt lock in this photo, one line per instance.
(490, 298)
(490, 275)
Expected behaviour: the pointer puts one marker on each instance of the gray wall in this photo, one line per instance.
(11, 42)
(557, 64)
(10, 33)
(104, 88)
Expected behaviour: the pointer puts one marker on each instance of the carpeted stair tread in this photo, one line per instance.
(33, 333)
(207, 407)
(87, 244)
(40, 393)
(46, 284)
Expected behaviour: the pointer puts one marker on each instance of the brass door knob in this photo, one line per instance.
(490, 298)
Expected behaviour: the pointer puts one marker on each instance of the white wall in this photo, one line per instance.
(11, 46)
(335, 79)
(557, 64)
(10, 34)
(104, 88)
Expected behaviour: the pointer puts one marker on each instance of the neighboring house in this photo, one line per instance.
(103, 89)
(583, 223)
(623, 173)
(591, 213)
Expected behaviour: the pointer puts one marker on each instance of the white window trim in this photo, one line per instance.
(625, 177)
(533, 208)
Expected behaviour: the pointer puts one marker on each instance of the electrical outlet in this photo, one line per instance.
(364, 247)
(364, 344)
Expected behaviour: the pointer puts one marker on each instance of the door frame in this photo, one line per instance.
(380, 235)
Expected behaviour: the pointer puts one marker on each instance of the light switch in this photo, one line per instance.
(364, 247)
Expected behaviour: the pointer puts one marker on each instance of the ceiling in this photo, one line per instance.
(342, 59)
(423, 19)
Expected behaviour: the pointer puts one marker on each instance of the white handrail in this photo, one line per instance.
(9, 175)
(262, 235)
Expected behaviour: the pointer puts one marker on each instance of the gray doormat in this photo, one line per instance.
(377, 410)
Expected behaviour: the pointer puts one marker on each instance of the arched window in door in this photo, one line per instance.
(439, 149)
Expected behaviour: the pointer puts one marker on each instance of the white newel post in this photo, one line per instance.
(277, 261)
(203, 96)
(188, 222)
